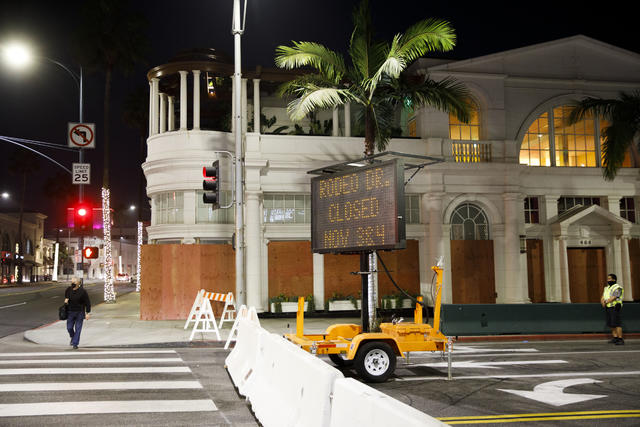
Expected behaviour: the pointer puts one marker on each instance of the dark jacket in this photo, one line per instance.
(78, 299)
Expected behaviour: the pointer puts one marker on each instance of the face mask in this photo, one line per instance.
(610, 282)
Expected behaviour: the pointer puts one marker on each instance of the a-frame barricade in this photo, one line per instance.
(205, 320)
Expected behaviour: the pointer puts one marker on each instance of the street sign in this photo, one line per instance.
(81, 135)
(359, 210)
(81, 173)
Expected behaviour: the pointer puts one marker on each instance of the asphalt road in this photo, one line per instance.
(570, 383)
(27, 307)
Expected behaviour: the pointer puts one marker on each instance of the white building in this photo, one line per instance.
(502, 208)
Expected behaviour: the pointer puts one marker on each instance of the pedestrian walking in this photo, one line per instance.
(79, 308)
(612, 302)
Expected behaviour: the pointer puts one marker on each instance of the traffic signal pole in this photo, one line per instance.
(237, 31)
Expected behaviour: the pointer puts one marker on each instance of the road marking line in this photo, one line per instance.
(507, 376)
(117, 385)
(487, 365)
(86, 353)
(108, 407)
(612, 352)
(12, 305)
(516, 418)
(75, 370)
(66, 361)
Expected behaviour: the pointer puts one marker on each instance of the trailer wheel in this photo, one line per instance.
(339, 361)
(375, 361)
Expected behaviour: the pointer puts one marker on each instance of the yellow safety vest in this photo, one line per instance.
(608, 290)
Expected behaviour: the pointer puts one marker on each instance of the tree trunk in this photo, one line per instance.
(107, 103)
(369, 133)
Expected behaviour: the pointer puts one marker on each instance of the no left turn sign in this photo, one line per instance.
(82, 135)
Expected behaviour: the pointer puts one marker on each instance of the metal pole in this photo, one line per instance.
(80, 187)
(239, 193)
(364, 280)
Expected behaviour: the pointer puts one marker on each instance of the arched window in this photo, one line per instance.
(551, 141)
(465, 131)
(469, 222)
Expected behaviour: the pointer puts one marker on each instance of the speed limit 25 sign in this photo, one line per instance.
(81, 173)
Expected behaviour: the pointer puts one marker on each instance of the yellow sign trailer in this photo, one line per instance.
(374, 354)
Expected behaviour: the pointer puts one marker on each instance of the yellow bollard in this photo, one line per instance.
(300, 318)
(438, 303)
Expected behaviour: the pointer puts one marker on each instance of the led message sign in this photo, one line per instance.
(359, 210)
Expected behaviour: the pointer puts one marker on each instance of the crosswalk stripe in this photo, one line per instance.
(105, 407)
(86, 353)
(115, 385)
(77, 371)
(67, 361)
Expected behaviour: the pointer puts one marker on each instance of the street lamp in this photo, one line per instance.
(18, 56)
(5, 195)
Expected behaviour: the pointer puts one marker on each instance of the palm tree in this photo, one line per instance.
(374, 78)
(111, 37)
(623, 114)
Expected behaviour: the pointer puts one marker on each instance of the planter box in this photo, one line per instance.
(343, 305)
(289, 307)
(391, 304)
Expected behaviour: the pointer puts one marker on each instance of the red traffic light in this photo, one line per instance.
(82, 219)
(91, 252)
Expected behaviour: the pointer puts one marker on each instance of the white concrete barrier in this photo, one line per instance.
(290, 387)
(357, 404)
(243, 313)
(242, 360)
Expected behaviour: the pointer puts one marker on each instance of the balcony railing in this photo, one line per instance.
(471, 152)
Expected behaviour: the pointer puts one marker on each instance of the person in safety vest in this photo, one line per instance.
(612, 302)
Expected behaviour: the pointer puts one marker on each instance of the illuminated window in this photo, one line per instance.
(566, 203)
(550, 141)
(531, 210)
(287, 208)
(575, 144)
(535, 145)
(206, 214)
(469, 222)
(628, 209)
(465, 131)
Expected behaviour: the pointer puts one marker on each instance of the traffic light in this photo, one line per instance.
(82, 219)
(91, 252)
(211, 184)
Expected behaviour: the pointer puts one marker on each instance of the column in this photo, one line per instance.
(163, 112)
(318, 281)
(516, 289)
(256, 105)
(347, 119)
(196, 99)
(150, 109)
(626, 268)
(154, 108)
(252, 247)
(564, 270)
(549, 207)
(336, 123)
(614, 205)
(171, 118)
(233, 104)
(183, 100)
(244, 110)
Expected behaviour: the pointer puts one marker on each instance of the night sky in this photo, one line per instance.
(38, 104)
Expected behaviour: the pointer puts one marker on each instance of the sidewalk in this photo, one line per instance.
(119, 324)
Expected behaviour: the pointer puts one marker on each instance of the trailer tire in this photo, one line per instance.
(375, 361)
(339, 361)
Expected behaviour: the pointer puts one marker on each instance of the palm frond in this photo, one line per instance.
(426, 36)
(361, 40)
(595, 107)
(616, 142)
(447, 95)
(292, 87)
(314, 97)
(301, 54)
